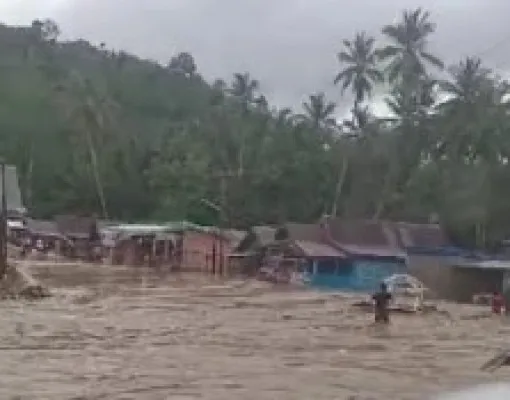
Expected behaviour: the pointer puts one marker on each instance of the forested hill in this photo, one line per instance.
(92, 130)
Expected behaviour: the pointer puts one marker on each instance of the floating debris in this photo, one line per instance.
(17, 283)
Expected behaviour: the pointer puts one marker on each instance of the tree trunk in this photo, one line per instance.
(29, 175)
(95, 172)
(339, 186)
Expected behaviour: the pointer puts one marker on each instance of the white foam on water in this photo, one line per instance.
(496, 391)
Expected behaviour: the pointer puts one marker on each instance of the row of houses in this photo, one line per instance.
(332, 253)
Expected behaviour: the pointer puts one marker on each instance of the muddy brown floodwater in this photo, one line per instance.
(112, 333)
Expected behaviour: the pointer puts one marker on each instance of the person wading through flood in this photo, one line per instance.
(381, 309)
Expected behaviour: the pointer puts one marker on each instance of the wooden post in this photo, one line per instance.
(153, 260)
(223, 194)
(166, 251)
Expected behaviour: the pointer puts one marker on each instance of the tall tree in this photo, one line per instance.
(361, 71)
(407, 52)
(183, 63)
(319, 112)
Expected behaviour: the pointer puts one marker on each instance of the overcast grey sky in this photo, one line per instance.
(289, 45)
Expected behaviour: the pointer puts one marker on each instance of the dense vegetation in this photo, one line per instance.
(93, 130)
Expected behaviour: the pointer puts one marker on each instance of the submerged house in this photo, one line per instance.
(336, 254)
(208, 249)
(140, 244)
(372, 254)
(46, 233)
(82, 232)
(301, 249)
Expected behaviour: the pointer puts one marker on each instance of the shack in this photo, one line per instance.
(139, 244)
(464, 279)
(46, 233)
(83, 234)
(247, 256)
(209, 249)
(298, 252)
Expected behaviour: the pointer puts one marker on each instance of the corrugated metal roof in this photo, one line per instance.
(421, 235)
(318, 250)
(45, 227)
(489, 265)
(361, 232)
(74, 225)
(373, 251)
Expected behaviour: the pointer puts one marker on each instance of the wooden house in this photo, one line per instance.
(209, 249)
(140, 244)
(82, 232)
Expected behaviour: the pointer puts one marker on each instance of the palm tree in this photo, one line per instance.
(469, 79)
(244, 89)
(407, 54)
(361, 72)
(477, 111)
(319, 112)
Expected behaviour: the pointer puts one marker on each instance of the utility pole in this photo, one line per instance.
(3, 225)
(220, 209)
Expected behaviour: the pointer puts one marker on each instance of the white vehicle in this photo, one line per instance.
(407, 291)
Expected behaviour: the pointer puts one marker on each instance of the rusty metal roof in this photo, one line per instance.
(362, 232)
(372, 251)
(42, 227)
(318, 250)
(365, 237)
(420, 235)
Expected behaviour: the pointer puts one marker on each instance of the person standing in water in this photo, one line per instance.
(498, 304)
(381, 309)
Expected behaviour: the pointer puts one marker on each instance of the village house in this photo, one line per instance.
(83, 234)
(208, 249)
(140, 244)
(298, 249)
(46, 233)
(372, 253)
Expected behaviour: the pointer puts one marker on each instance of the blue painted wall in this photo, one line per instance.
(360, 275)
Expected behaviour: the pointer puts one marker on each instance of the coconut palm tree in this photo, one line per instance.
(244, 89)
(407, 52)
(318, 112)
(361, 72)
(468, 79)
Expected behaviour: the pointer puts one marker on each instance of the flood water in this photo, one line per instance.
(112, 333)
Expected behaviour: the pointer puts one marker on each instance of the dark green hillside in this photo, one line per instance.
(95, 131)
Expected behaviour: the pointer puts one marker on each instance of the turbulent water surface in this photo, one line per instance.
(112, 333)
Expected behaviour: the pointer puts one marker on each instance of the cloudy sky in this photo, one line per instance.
(289, 45)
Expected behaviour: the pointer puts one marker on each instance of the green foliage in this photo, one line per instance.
(92, 130)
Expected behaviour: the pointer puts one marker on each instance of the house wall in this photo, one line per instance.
(198, 252)
(448, 282)
(435, 272)
(364, 275)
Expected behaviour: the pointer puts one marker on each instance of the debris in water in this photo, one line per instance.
(501, 359)
(18, 283)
